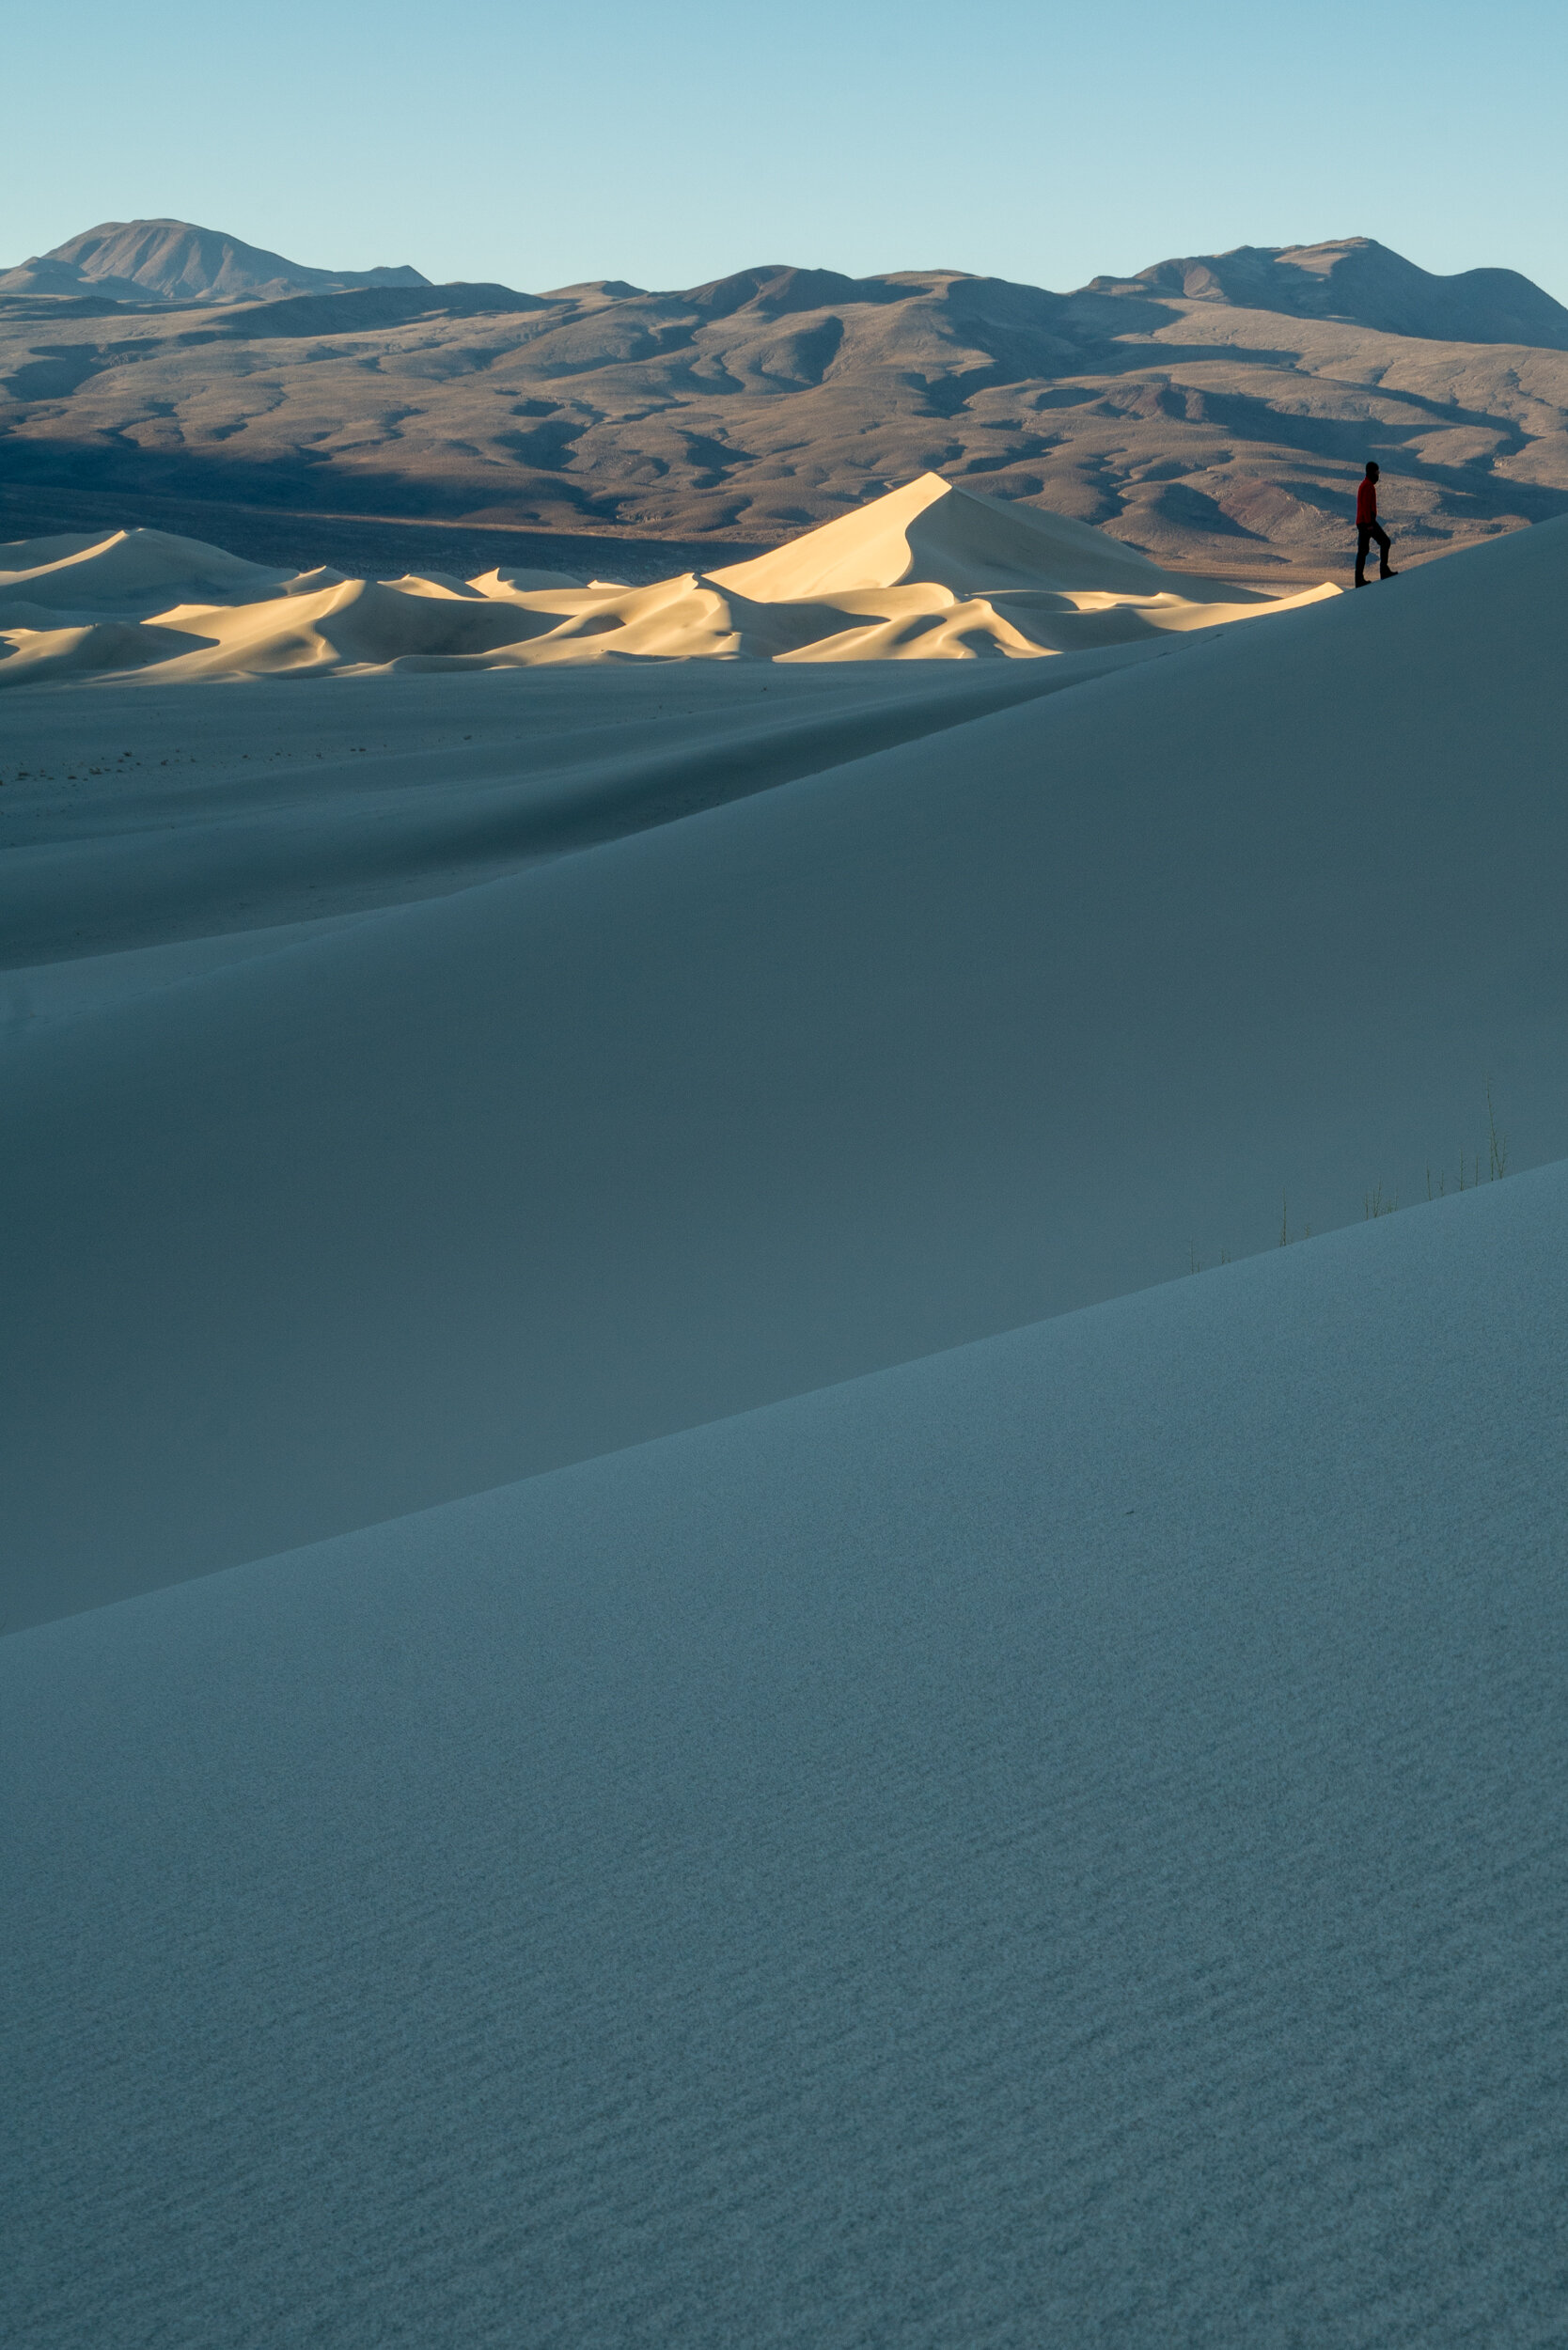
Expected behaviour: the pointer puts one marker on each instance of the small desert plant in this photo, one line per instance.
(1377, 1201)
(1195, 1263)
(1498, 1143)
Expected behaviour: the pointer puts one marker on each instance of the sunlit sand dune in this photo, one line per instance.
(709, 1809)
(933, 531)
(928, 573)
(873, 1008)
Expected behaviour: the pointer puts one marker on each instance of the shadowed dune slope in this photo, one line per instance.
(240, 813)
(897, 1053)
(1063, 1841)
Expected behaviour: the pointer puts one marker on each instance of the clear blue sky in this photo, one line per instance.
(670, 144)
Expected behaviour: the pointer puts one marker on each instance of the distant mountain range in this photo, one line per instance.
(173, 261)
(1215, 410)
(1361, 283)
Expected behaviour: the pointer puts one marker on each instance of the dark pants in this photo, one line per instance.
(1363, 539)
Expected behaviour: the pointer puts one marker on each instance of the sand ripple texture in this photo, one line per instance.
(662, 1688)
(1062, 1842)
(929, 572)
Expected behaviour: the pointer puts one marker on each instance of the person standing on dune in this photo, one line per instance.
(1368, 527)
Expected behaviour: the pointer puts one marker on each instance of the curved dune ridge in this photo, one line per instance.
(390, 1124)
(928, 573)
(770, 1824)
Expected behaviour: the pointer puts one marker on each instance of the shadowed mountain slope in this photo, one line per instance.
(1214, 412)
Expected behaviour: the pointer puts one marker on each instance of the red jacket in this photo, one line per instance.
(1366, 505)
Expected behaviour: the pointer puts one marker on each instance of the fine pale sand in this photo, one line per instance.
(1065, 1842)
(927, 572)
(705, 1810)
(393, 1113)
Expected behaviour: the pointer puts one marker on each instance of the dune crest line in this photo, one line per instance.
(930, 571)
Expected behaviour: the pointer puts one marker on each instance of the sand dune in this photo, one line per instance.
(916, 1033)
(929, 572)
(961, 541)
(1062, 1842)
(768, 1823)
(236, 811)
